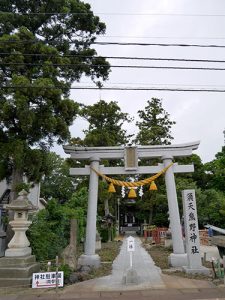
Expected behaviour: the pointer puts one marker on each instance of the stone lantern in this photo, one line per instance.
(17, 266)
(19, 244)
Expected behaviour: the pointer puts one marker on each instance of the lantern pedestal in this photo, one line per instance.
(19, 244)
(18, 265)
(17, 271)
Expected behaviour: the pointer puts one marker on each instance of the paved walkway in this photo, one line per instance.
(148, 275)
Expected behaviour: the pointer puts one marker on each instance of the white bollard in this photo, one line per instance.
(131, 274)
(130, 249)
(131, 262)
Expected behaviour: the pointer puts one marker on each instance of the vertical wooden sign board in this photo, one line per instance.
(191, 229)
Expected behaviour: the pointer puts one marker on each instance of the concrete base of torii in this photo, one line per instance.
(177, 260)
(199, 270)
(89, 260)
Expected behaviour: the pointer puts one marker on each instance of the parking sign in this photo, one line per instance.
(47, 280)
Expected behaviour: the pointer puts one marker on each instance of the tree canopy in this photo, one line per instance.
(58, 184)
(216, 171)
(154, 129)
(154, 125)
(105, 121)
(44, 47)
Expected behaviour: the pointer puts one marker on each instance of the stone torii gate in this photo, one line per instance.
(131, 155)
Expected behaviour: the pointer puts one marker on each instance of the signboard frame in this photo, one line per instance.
(47, 280)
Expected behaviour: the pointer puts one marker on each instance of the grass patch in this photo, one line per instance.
(108, 253)
(160, 255)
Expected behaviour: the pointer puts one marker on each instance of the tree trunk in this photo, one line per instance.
(150, 216)
(17, 177)
(106, 204)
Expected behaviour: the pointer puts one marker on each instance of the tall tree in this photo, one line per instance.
(104, 129)
(105, 124)
(154, 125)
(44, 47)
(154, 129)
(58, 184)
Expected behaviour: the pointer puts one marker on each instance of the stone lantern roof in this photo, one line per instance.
(21, 203)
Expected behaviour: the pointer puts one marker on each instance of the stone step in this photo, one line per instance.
(19, 272)
(17, 261)
(135, 229)
(15, 282)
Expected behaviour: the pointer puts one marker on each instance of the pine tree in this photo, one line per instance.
(105, 124)
(154, 125)
(154, 129)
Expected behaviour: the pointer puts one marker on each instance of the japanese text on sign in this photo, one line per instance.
(193, 235)
(130, 244)
(191, 228)
(47, 280)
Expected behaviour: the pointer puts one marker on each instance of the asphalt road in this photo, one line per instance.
(153, 294)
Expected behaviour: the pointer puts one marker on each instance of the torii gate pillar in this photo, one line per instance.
(178, 257)
(90, 258)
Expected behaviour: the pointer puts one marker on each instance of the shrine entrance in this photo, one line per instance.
(127, 219)
(130, 155)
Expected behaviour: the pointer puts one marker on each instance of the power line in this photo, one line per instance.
(157, 44)
(118, 88)
(114, 57)
(115, 66)
(113, 14)
(164, 37)
(152, 89)
(141, 84)
(116, 43)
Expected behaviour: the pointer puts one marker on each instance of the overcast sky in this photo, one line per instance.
(198, 115)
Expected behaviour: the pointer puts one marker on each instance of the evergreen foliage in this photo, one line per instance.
(105, 124)
(154, 129)
(45, 46)
(216, 171)
(58, 184)
(154, 125)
